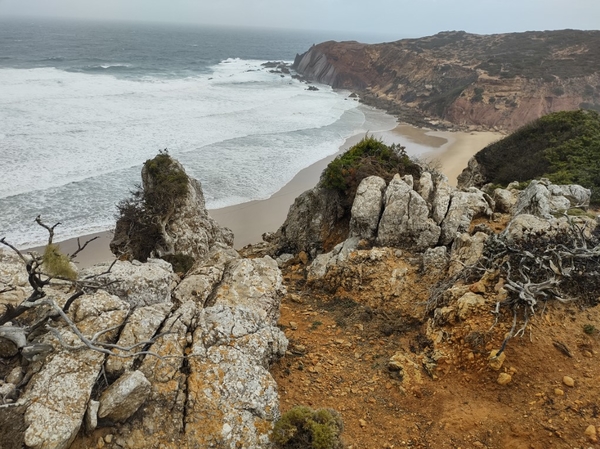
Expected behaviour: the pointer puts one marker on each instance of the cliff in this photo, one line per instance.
(492, 81)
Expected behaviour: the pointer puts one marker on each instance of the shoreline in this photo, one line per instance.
(450, 150)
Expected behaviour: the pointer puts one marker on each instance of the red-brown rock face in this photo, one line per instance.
(491, 81)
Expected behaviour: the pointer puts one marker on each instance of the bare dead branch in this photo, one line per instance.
(50, 229)
(80, 247)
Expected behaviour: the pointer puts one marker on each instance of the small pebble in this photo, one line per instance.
(559, 392)
(590, 432)
(293, 325)
(496, 362)
(568, 381)
(362, 423)
(504, 378)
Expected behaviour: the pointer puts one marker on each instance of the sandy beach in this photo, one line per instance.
(450, 151)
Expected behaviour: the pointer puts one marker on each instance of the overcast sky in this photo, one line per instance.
(388, 17)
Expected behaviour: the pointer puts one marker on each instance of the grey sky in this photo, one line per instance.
(388, 17)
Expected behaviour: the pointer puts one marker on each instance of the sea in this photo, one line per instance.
(84, 104)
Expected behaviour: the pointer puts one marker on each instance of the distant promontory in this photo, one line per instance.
(457, 79)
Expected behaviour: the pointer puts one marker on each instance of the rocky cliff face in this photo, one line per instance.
(145, 359)
(497, 81)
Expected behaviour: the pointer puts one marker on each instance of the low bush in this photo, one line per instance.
(305, 428)
(369, 157)
(57, 264)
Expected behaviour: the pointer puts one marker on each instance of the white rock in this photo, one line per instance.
(122, 399)
(139, 285)
(366, 208)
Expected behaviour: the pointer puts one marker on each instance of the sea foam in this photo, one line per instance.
(73, 142)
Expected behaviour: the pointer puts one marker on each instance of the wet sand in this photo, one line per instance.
(448, 151)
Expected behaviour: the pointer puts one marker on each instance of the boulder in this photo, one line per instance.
(405, 220)
(544, 199)
(440, 200)
(340, 253)
(464, 207)
(366, 208)
(472, 176)
(504, 200)
(426, 187)
(466, 251)
(122, 399)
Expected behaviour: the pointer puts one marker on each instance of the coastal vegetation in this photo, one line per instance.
(141, 214)
(369, 157)
(305, 428)
(563, 147)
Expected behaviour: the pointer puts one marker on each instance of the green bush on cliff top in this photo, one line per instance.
(368, 157)
(563, 146)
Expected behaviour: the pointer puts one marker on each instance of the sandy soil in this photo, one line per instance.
(450, 151)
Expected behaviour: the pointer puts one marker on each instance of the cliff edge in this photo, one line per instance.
(455, 78)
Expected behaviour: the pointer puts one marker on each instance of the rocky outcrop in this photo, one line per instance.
(544, 199)
(184, 227)
(405, 221)
(311, 221)
(491, 81)
(163, 361)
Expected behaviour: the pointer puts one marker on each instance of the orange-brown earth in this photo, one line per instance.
(344, 332)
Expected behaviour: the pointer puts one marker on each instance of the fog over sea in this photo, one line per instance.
(83, 105)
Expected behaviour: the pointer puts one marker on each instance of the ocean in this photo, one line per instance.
(84, 104)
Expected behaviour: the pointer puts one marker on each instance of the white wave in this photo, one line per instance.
(74, 142)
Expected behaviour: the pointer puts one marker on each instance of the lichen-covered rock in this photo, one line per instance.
(59, 393)
(13, 273)
(141, 326)
(464, 206)
(232, 398)
(122, 399)
(166, 376)
(405, 221)
(202, 279)
(366, 208)
(252, 281)
(435, 260)
(138, 284)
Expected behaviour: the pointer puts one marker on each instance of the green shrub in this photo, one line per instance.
(368, 157)
(563, 147)
(57, 264)
(305, 428)
(478, 97)
(589, 329)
